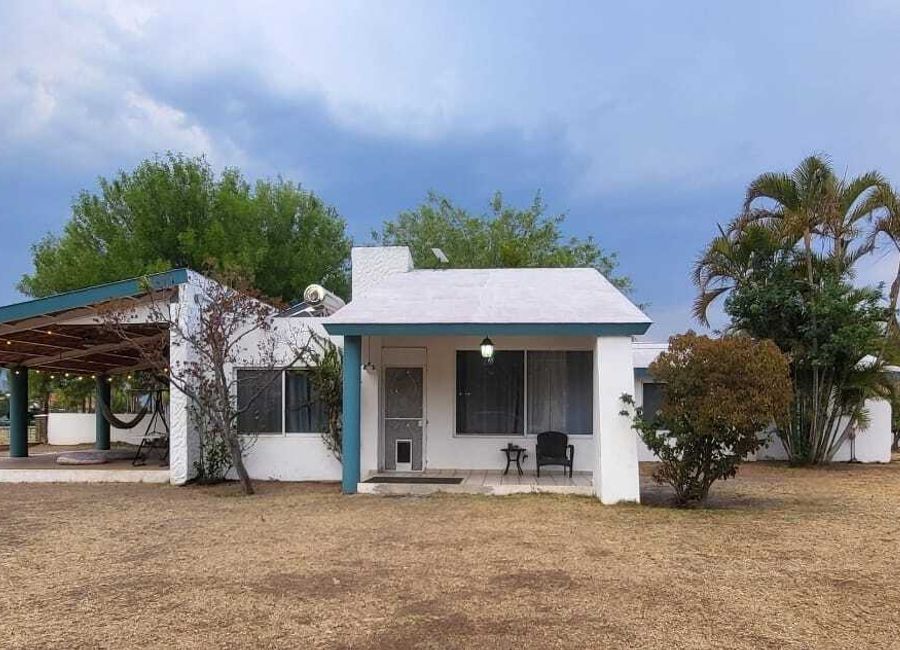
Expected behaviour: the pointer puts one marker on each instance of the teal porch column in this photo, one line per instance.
(350, 441)
(101, 426)
(18, 412)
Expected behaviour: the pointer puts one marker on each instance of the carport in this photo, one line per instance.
(65, 335)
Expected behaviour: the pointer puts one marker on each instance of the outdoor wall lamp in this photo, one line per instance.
(487, 350)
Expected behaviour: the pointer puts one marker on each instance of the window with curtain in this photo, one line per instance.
(560, 392)
(490, 398)
(653, 398)
(259, 401)
(303, 410)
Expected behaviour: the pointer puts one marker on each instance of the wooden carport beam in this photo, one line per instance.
(43, 322)
(101, 369)
(97, 349)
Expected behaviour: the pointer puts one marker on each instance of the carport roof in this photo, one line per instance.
(88, 296)
(40, 334)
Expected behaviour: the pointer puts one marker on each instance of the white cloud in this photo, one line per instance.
(638, 95)
(68, 93)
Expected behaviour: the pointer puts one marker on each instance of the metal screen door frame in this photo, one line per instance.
(389, 441)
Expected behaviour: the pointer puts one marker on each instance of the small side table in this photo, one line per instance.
(514, 453)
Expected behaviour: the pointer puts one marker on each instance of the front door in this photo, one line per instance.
(404, 418)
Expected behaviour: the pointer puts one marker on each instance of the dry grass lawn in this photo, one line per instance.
(781, 558)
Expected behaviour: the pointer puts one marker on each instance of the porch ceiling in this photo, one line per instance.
(78, 349)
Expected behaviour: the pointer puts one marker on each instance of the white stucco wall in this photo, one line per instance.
(80, 428)
(292, 457)
(443, 448)
(616, 474)
(183, 437)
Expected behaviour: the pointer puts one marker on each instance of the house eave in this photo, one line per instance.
(486, 329)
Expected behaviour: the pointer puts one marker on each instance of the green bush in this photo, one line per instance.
(720, 396)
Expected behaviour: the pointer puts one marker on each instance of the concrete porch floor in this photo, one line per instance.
(479, 481)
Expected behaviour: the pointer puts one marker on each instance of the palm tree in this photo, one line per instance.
(885, 203)
(812, 203)
(730, 259)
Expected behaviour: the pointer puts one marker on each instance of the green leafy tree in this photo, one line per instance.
(720, 396)
(327, 378)
(832, 335)
(504, 237)
(173, 211)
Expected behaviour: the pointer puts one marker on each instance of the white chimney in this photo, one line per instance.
(369, 265)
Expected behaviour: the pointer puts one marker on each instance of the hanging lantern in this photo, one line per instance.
(487, 349)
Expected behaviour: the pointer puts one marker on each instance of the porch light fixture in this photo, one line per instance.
(487, 349)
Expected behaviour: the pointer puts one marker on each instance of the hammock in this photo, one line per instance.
(107, 414)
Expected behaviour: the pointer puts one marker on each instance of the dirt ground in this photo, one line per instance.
(780, 558)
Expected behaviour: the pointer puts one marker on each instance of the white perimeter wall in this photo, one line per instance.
(80, 428)
(873, 444)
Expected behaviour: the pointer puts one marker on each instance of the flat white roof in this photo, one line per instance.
(645, 353)
(491, 296)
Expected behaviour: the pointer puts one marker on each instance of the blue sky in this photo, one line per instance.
(644, 123)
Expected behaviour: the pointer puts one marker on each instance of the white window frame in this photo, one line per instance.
(283, 433)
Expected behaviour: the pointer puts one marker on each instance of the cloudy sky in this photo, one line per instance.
(644, 123)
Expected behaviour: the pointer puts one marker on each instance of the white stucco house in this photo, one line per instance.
(414, 371)
(450, 376)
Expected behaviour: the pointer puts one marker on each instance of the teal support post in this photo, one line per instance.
(18, 413)
(101, 426)
(350, 441)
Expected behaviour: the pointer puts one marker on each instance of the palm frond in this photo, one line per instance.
(775, 186)
(702, 302)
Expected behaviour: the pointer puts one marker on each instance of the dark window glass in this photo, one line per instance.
(303, 410)
(490, 398)
(259, 401)
(560, 392)
(653, 398)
